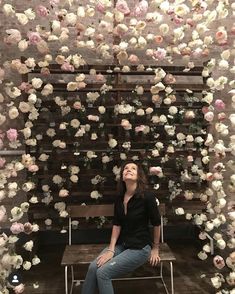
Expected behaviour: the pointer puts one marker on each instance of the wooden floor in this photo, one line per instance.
(187, 274)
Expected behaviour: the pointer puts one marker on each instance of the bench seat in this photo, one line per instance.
(86, 253)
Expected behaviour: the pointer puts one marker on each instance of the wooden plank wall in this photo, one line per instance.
(188, 85)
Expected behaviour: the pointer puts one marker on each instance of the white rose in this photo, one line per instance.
(173, 110)
(30, 14)
(75, 123)
(163, 118)
(216, 282)
(140, 112)
(95, 194)
(35, 260)
(112, 143)
(101, 109)
(123, 156)
(22, 18)
(13, 112)
(23, 45)
(207, 248)
(202, 255)
(181, 10)
(28, 245)
(36, 83)
(27, 265)
(71, 19)
(209, 226)
(179, 211)
(74, 178)
(164, 29)
(2, 119)
(8, 10)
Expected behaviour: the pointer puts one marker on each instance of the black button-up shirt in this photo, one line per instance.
(135, 231)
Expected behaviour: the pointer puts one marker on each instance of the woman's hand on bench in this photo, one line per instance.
(104, 257)
(154, 257)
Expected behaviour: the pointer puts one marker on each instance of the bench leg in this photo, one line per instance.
(72, 279)
(172, 278)
(66, 279)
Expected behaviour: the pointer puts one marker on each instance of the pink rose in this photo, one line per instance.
(126, 124)
(209, 116)
(99, 38)
(190, 22)
(28, 228)
(93, 117)
(219, 104)
(122, 6)
(218, 176)
(141, 8)
(190, 158)
(81, 85)
(178, 20)
(139, 128)
(169, 79)
(12, 135)
(67, 67)
(221, 116)
(77, 105)
(155, 170)
(33, 168)
(42, 11)
(218, 262)
(99, 78)
(63, 193)
(19, 289)
(2, 162)
(205, 109)
(133, 58)
(45, 71)
(17, 228)
(14, 36)
(34, 37)
(100, 7)
(25, 87)
(160, 53)
(221, 37)
(209, 176)
(197, 52)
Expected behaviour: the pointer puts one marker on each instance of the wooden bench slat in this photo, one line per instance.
(98, 210)
(85, 254)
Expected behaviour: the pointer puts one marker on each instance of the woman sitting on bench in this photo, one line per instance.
(130, 245)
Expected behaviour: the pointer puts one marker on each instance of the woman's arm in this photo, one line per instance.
(154, 258)
(114, 237)
(107, 255)
(156, 236)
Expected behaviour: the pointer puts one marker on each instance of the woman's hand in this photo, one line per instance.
(154, 257)
(103, 258)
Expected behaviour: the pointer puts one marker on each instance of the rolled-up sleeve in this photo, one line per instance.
(116, 216)
(152, 209)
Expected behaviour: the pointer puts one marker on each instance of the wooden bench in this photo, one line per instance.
(75, 255)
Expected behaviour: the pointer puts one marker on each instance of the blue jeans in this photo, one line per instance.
(123, 262)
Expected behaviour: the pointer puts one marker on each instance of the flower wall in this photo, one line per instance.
(100, 82)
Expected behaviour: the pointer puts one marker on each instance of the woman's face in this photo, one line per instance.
(130, 172)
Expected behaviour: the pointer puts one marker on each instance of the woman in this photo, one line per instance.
(130, 245)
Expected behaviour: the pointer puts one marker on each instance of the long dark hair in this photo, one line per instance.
(142, 182)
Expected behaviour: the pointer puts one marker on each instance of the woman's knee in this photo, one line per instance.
(103, 273)
(92, 267)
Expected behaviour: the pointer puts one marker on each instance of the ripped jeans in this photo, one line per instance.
(123, 262)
